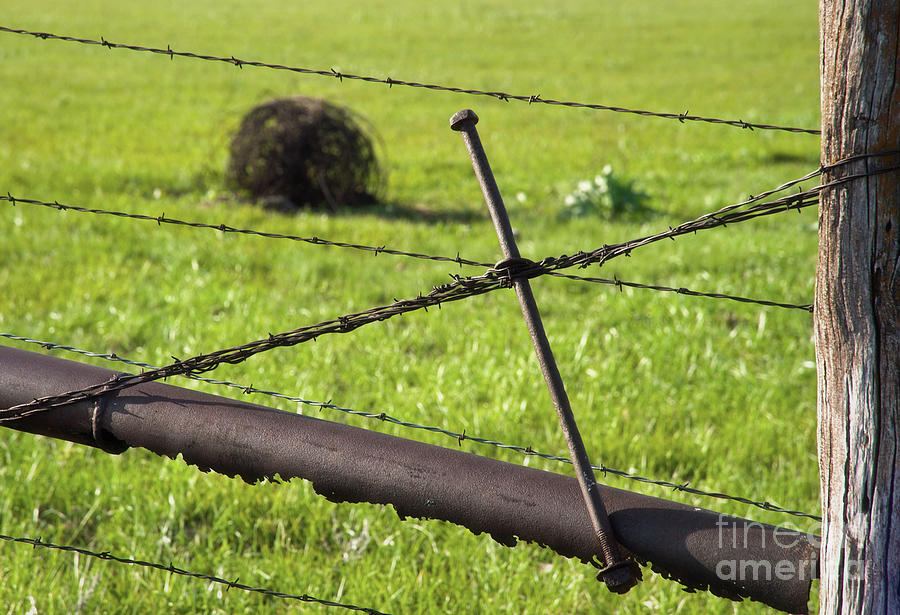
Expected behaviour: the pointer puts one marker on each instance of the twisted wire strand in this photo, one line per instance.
(807, 307)
(458, 436)
(388, 81)
(314, 240)
(455, 291)
(723, 217)
(730, 214)
(172, 569)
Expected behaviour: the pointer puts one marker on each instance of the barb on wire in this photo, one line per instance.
(458, 436)
(163, 219)
(171, 569)
(390, 82)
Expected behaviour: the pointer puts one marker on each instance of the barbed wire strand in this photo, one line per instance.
(720, 218)
(709, 220)
(455, 291)
(728, 214)
(170, 568)
(458, 436)
(224, 228)
(390, 82)
(807, 307)
(162, 219)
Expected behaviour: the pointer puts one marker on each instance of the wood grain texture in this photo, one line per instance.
(857, 310)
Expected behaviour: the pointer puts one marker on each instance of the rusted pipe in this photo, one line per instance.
(728, 556)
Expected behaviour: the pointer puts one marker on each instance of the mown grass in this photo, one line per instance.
(710, 392)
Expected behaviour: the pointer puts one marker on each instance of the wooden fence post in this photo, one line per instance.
(857, 309)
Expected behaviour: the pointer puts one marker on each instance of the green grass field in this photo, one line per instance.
(711, 392)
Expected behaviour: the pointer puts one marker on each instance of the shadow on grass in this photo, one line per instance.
(389, 210)
(419, 213)
(790, 157)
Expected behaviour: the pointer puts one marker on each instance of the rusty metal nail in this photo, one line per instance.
(620, 574)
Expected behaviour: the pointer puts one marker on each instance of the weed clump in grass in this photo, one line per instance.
(304, 151)
(606, 196)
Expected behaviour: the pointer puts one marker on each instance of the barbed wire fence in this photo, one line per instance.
(461, 287)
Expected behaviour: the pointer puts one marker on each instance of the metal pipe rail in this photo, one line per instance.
(728, 556)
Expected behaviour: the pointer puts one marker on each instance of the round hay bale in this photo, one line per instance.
(304, 151)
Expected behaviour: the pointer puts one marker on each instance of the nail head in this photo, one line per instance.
(462, 117)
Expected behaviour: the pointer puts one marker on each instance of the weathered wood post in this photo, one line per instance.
(857, 309)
